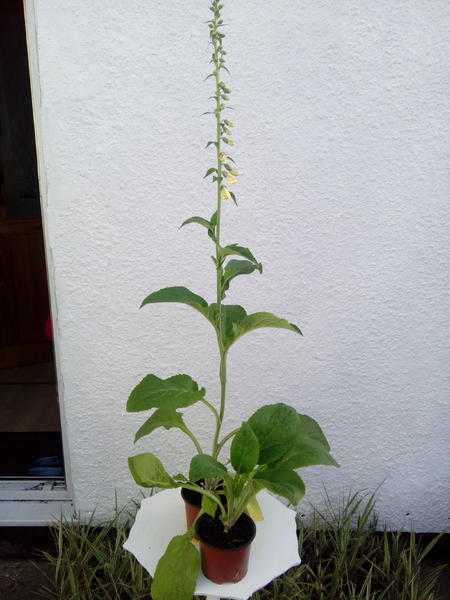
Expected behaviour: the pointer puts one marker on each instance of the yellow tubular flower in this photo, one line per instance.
(231, 179)
(225, 194)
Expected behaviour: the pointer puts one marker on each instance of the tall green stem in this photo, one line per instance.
(219, 272)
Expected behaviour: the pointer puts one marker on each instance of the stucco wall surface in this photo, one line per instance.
(343, 137)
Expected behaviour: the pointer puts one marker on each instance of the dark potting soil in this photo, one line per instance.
(211, 531)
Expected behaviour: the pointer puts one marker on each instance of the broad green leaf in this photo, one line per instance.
(261, 320)
(310, 446)
(244, 451)
(235, 250)
(275, 426)
(204, 466)
(288, 439)
(308, 426)
(232, 315)
(148, 471)
(254, 509)
(237, 322)
(306, 452)
(177, 570)
(178, 294)
(238, 267)
(282, 482)
(174, 392)
(163, 417)
(198, 220)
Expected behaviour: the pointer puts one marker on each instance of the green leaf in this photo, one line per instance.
(310, 447)
(212, 227)
(209, 506)
(210, 172)
(306, 452)
(148, 471)
(174, 392)
(234, 249)
(237, 322)
(275, 426)
(233, 197)
(288, 439)
(238, 267)
(204, 466)
(168, 418)
(198, 220)
(244, 452)
(177, 570)
(261, 320)
(254, 509)
(282, 482)
(312, 429)
(232, 315)
(178, 294)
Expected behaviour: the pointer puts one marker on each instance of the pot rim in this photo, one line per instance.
(240, 547)
(183, 495)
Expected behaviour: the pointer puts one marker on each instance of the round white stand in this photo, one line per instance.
(274, 550)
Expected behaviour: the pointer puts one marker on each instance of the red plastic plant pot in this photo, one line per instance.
(192, 505)
(225, 556)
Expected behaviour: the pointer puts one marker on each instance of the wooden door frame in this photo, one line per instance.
(44, 494)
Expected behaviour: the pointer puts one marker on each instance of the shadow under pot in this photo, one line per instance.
(225, 554)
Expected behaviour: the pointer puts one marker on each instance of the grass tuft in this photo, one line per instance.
(344, 558)
(89, 563)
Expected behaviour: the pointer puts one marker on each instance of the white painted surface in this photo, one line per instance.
(34, 513)
(343, 132)
(29, 7)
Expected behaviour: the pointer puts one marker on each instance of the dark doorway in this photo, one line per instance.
(30, 432)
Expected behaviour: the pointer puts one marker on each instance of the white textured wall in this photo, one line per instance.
(343, 131)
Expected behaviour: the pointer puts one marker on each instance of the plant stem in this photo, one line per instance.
(189, 433)
(211, 408)
(220, 336)
(222, 443)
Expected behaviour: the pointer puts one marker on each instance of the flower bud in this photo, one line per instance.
(225, 194)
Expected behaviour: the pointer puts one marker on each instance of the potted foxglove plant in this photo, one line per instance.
(268, 448)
